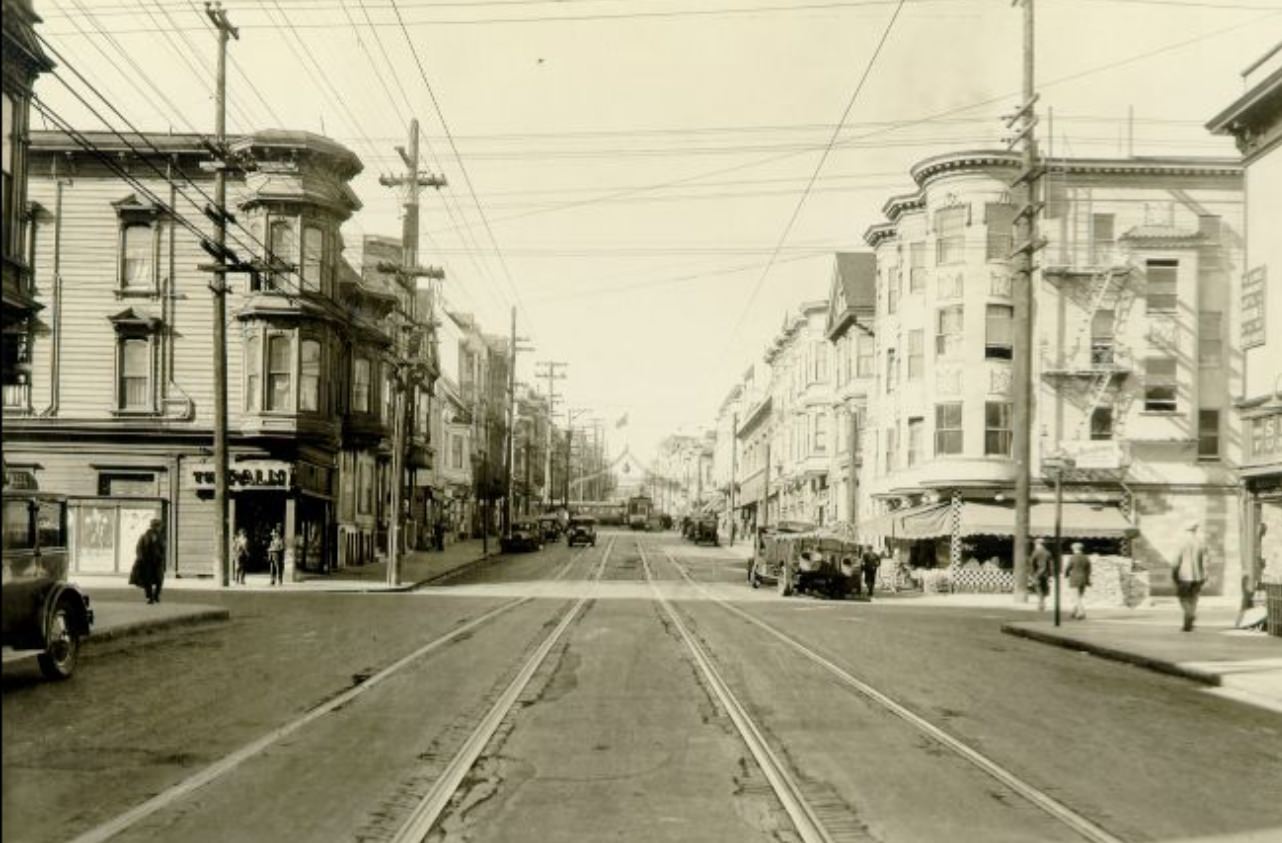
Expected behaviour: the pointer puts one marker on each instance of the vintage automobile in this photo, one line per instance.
(796, 558)
(40, 609)
(550, 528)
(704, 530)
(582, 530)
(687, 528)
(523, 535)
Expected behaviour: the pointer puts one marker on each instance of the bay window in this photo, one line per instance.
(309, 357)
(997, 428)
(360, 385)
(949, 327)
(950, 233)
(253, 366)
(313, 258)
(998, 329)
(916, 362)
(1000, 219)
(948, 428)
(282, 245)
(280, 372)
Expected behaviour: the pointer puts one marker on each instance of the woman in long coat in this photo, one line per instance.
(148, 572)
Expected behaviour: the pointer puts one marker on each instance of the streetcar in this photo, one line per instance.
(640, 512)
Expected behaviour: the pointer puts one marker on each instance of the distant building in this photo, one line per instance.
(1135, 361)
(849, 327)
(1255, 120)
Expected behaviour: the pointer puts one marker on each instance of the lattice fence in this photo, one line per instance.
(981, 578)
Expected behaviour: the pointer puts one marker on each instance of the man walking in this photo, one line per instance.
(870, 563)
(1078, 571)
(1041, 569)
(1190, 574)
(148, 572)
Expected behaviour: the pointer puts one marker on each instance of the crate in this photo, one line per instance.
(1273, 598)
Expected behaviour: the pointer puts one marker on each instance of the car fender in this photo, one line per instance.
(79, 614)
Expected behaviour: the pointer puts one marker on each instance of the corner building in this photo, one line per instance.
(1134, 361)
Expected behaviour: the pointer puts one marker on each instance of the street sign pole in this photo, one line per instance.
(1059, 510)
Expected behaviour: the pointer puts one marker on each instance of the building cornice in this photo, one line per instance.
(876, 233)
(897, 206)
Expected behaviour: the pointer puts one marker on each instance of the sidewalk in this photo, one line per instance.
(417, 568)
(116, 619)
(1241, 665)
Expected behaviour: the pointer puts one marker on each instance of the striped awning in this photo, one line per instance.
(914, 522)
(1077, 521)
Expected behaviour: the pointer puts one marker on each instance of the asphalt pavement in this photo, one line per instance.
(639, 690)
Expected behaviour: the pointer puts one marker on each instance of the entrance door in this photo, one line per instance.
(257, 513)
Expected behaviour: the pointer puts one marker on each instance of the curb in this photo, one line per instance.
(206, 614)
(1205, 677)
(404, 587)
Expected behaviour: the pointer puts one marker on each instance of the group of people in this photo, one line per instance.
(1077, 569)
(275, 555)
(148, 571)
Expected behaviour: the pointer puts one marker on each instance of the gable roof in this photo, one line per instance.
(853, 290)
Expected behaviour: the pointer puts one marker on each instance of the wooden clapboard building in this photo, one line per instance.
(119, 410)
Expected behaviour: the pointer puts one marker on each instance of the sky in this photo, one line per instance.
(651, 182)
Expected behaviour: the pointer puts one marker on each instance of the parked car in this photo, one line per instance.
(582, 530)
(523, 535)
(39, 609)
(703, 530)
(795, 557)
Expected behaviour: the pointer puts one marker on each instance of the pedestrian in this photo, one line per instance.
(148, 572)
(276, 556)
(240, 554)
(1189, 574)
(1078, 571)
(1041, 569)
(438, 534)
(870, 563)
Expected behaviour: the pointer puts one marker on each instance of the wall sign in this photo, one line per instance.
(1253, 303)
(247, 475)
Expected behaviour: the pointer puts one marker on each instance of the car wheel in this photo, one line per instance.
(785, 586)
(59, 658)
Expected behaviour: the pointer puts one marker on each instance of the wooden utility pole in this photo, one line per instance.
(853, 486)
(734, 470)
(225, 30)
(413, 181)
(509, 450)
(763, 520)
(1024, 121)
(553, 374)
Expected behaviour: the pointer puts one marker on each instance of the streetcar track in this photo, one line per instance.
(803, 815)
(430, 808)
(182, 789)
(1049, 805)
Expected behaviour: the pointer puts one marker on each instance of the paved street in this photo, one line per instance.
(637, 690)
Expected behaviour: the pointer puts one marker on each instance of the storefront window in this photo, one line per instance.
(280, 372)
(309, 376)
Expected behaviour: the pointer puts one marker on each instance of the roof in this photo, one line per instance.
(1259, 105)
(855, 278)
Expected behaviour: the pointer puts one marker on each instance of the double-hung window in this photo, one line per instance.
(997, 428)
(1000, 219)
(1208, 434)
(360, 385)
(135, 374)
(313, 258)
(283, 244)
(916, 429)
(866, 353)
(1102, 338)
(1102, 239)
(999, 324)
(137, 257)
(1160, 385)
(917, 266)
(892, 290)
(892, 370)
(280, 372)
(309, 376)
(950, 233)
(949, 328)
(948, 428)
(916, 354)
(891, 442)
(1160, 288)
(1102, 424)
(1210, 339)
(253, 369)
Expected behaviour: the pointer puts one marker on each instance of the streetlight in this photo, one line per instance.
(1058, 465)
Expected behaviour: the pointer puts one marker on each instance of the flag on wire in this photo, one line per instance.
(623, 420)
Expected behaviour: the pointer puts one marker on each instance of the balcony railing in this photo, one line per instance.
(17, 396)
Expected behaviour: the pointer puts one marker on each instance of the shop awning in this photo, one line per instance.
(916, 522)
(1078, 521)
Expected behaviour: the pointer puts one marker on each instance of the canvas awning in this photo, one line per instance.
(1078, 520)
(914, 522)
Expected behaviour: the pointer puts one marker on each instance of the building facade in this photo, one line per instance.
(1134, 367)
(1255, 121)
(849, 328)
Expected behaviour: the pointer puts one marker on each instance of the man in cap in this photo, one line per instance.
(1189, 574)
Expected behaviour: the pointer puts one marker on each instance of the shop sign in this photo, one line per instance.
(1091, 455)
(1266, 436)
(248, 474)
(1253, 318)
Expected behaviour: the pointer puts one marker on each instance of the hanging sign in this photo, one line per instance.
(1253, 318)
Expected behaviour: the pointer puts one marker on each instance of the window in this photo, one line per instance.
(1102, 336)
(360, 385)
(916, 429)
(1000, 219)
(1102, 424)
(126, 484)
(282, 245)
(309, 376)
(137, 248)
(948, 428)
(948, 336)
(280, 372)
(1160, 385)
(135, 374)
(1210, 342)
(1160, 286)
(892, 370)
(999, 323)
(1208, 434)
(1102, 241)
(313, 257)
(820, 363)
(9, 130)
(917, 266)
(950, 232)
(892, 289)
(253, 366)
(456, 451)
(891, 441)
(997, 428)
(385, 408)
(866, 352)
(821, 434)
(364, 488)
(916, 353)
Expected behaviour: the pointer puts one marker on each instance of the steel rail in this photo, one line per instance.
(234, 759)
(1083, 826)
(430, 808)
(803, 816)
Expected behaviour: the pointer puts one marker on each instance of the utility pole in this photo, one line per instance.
(220, 21)
(552, 372)
(853, 487)
(413, 181)
(764, 519)
(1024, 121)
(509, 452)
(734, 470)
